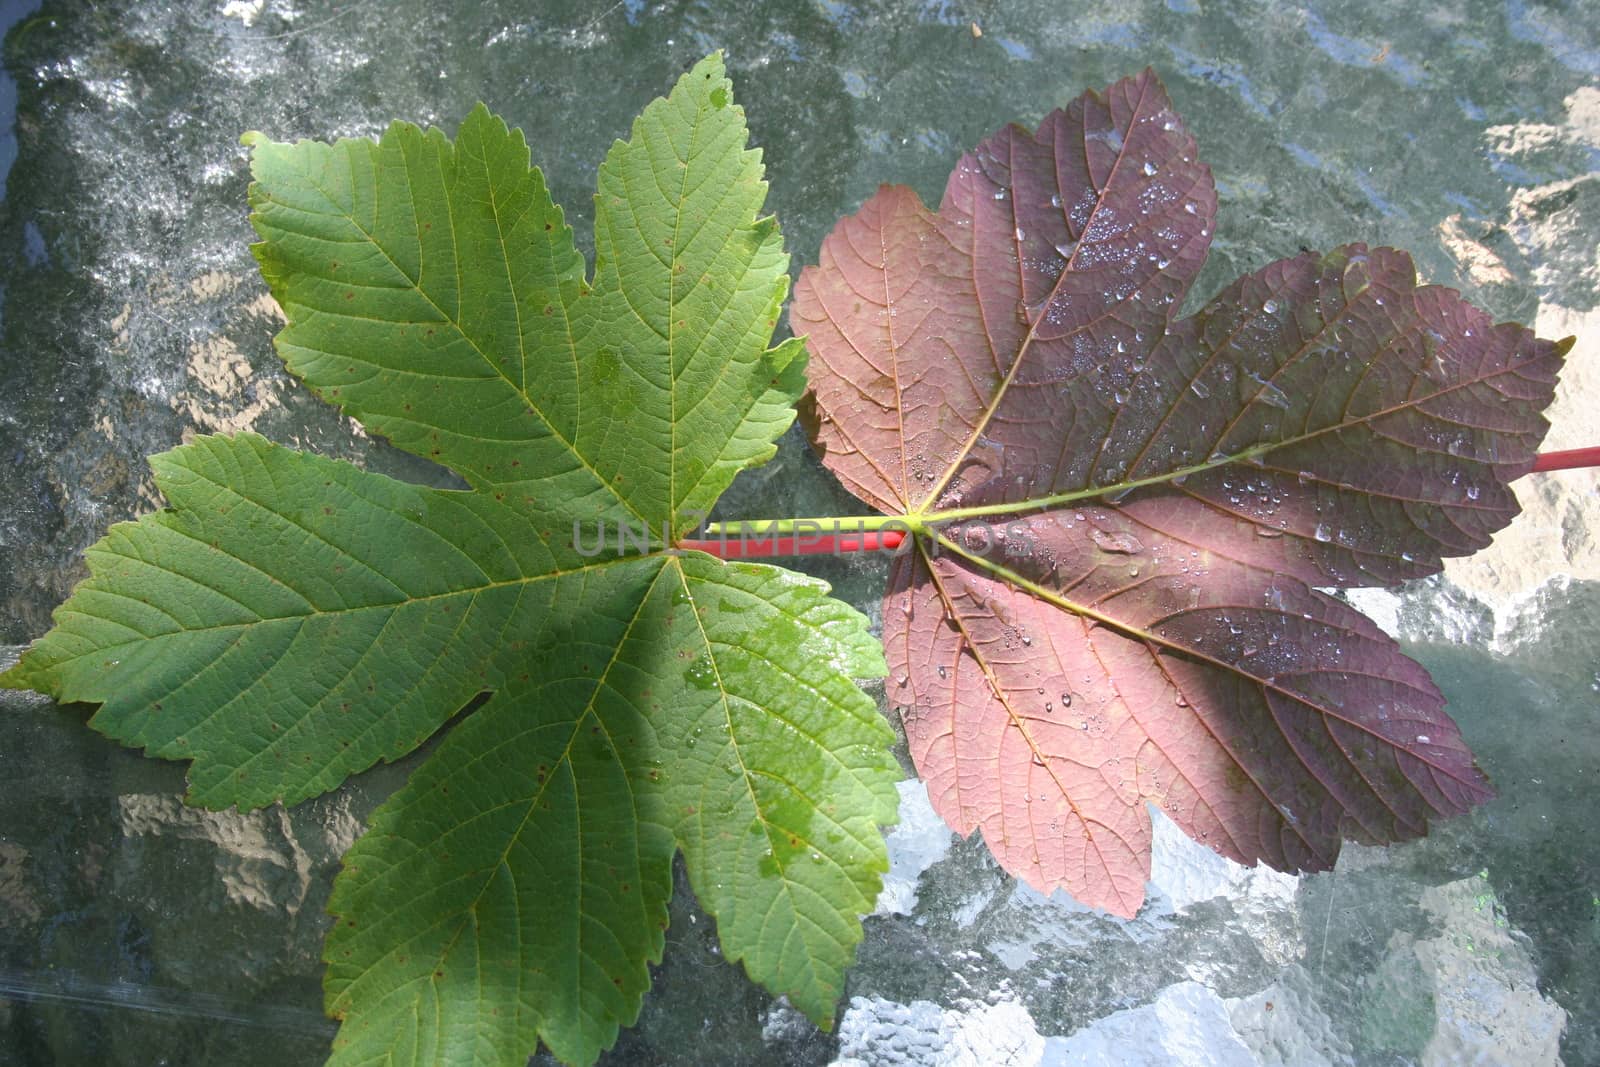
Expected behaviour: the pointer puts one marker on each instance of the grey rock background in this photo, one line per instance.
(134, 931)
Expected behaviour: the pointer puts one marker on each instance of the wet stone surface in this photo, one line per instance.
(134, 930)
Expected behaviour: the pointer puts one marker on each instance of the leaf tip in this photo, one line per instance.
(710, 69)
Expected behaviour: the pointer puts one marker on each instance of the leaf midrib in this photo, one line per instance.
(920, 521)
(394, 605)
(1033, 327)
(414, 286)
(1151, 637)
(532, 802)
(1041, 758)
(733, 744)
(790, 887)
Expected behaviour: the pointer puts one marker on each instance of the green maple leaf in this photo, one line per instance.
(290, 620)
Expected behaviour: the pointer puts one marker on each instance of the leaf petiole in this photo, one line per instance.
(832, 536)
(768, 546)
(1571, 459)
(834, 525)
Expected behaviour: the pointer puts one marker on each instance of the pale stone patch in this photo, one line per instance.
(920, 840)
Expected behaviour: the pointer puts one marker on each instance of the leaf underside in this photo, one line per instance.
(1130, 515)
(290, 620)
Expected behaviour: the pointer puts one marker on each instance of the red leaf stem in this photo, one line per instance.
(756, 547)
(1568, 460)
